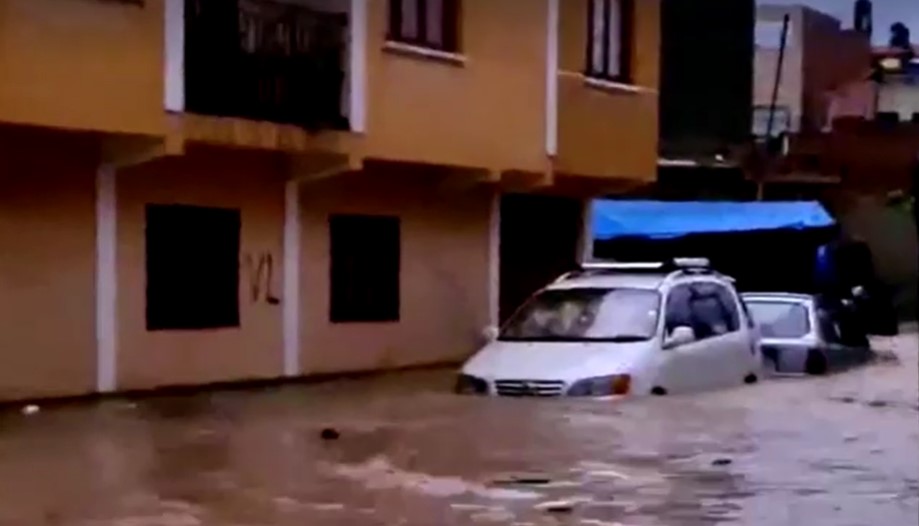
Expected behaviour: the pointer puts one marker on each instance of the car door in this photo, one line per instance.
(680, 368)
(744, 336)
(723, 347)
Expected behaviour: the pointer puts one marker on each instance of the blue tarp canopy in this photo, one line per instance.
(667, 219)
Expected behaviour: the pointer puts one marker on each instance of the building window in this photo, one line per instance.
(767, 34)
(609, 42)
(364, 268)
(192, 262)
(432, 24)
(781, 121)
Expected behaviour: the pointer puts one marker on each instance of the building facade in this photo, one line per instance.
(819, 56)
(203, 191)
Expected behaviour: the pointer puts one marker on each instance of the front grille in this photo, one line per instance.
(542, 388)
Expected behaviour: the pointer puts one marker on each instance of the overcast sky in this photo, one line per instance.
(886, 12)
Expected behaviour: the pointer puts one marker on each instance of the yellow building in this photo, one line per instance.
(200, 191)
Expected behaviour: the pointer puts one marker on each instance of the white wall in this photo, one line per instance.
(901, 98)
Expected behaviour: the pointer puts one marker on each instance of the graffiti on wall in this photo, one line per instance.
(260, 273)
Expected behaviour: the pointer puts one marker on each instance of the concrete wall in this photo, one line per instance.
(483, 107)
(445, 274)
(247, 181)
(901, 98)
(609, 131)
(82, 64)
(47, 286)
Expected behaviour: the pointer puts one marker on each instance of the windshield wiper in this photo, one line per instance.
(625, 338)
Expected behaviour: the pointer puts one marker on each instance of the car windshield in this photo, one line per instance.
(586, 315)
(780, 319)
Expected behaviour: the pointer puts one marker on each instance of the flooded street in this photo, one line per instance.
(841, 450)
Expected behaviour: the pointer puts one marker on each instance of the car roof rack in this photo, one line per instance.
(603, 268)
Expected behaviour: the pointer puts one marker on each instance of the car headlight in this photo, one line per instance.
(617, 384)
(467, 384)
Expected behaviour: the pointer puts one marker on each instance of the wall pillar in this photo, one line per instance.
(106, 279)
(586, 243)
(494, 261)
(290, 300)
(358, 66)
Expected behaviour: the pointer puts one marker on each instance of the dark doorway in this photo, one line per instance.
(540, 236)
(192, 267)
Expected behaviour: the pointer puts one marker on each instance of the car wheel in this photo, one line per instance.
(750, 379)
(816, 363)
(658, 391)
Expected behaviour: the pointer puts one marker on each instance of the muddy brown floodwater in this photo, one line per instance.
(841, 450)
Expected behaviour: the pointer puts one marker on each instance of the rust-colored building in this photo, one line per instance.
(198, 191)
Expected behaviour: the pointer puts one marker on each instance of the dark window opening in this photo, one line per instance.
(432, 24)
(609, 39)
(192, 263)
(365, 263)
(265, 60)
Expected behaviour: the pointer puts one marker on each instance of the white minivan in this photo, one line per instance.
(620, 329)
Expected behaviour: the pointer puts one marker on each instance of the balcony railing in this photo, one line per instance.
(265, 60)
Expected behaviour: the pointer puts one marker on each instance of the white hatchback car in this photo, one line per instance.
(617, 329)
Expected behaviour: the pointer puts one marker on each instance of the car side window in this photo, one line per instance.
(708, 308)
(729, 303)
(711, 316)
(751, 323)
(677, 312)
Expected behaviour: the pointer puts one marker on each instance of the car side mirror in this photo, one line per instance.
(490, 334)
(679, 336)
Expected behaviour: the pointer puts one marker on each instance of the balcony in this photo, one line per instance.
(264, 73)
(606, 131)
(607, 127)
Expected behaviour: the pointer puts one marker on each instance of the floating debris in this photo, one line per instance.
(523, 480)
(844, 399)
(722, 462)
(329, 433)
(561, 506)
(30, 409)
(556, 506)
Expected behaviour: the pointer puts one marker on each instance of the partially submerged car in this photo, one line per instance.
(803, 333)
(618, 329)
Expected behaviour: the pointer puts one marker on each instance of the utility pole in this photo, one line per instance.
(786, 22)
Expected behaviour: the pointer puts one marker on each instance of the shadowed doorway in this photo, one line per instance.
(540, 237)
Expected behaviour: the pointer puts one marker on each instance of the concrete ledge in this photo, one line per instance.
(168, 391)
